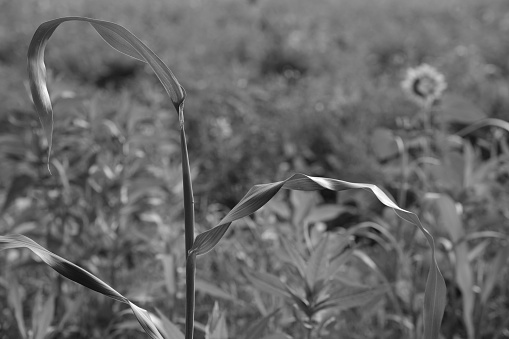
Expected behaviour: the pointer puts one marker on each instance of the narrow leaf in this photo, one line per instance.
(435, 294)
(15, 300)
(171, 331)
(255, 330)
(116, 36)
(496, 268)
(268, 283)
(212, 290)
(277, 336)
(45, 317)
(295, 257)
(450, 220)
(79, 275)
(216, 325)
(349, 300)
(317, 263)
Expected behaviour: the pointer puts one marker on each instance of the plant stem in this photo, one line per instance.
(189, 228)
(190, 275)
(188, 191)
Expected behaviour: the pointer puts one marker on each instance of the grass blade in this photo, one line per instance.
(259, 195)
(80, 276)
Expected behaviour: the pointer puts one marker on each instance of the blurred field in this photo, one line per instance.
(273, 88)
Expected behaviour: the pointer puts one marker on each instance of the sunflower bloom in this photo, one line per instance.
(424, 84)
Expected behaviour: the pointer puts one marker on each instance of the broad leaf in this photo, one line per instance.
(79, 275)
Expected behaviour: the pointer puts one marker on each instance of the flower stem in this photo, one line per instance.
(189, 228)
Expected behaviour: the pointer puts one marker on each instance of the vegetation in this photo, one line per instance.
(270, 92)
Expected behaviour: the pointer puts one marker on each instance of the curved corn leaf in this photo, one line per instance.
(79, 275)
(117, 37)
(259, 195)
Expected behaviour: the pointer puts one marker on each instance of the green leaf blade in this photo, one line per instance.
(435, 294)
(80, 276)
(117, 37)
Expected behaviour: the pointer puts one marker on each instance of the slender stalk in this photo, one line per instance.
(189, 228)
(188, 187)
(190, 277)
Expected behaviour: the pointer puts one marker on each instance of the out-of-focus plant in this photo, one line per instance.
(124, 41)
(321, 266)
(454, 171)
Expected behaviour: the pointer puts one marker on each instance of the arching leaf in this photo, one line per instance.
(259, 195)
(79, 275)
(117, 37)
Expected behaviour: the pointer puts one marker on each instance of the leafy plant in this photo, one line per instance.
(125, 42)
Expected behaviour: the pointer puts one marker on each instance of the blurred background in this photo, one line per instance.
(273, 88)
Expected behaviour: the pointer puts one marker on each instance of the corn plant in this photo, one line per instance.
(125, 42)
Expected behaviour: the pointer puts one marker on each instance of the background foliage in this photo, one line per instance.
(273, 88)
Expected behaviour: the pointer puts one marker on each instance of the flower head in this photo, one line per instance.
(424, 84)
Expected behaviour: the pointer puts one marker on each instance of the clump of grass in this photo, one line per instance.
(259, 195)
